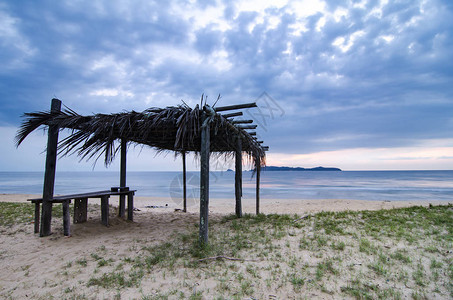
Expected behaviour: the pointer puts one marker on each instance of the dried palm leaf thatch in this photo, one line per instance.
(175, 128)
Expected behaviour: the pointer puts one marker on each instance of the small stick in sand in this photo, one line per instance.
(224, 257)
(301, 218)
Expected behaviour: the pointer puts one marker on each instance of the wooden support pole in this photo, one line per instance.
(258, 174)
(37, 215)
(204, 181)
(232, 107)
(130, 206)
(80, 210)
(122, 204)
(105, 210)
(235, 114)
(184, 187)
(66, 218)
(49, 175)
(238, 178)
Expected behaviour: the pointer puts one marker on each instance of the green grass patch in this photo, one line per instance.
(19, 213)
(16, 213)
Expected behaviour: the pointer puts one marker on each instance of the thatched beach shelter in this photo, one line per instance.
(204, 130)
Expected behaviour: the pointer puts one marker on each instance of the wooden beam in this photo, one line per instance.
(253, 133)
(184, 187)
(247, 126)
(242, 121)
(232, 107)
(258, 174)
(122, 204)
(235, 114)
(49, 175)
(238, 178)
(204, 181)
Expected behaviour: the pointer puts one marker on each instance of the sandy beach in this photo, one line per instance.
(267, 206)
(40, 268)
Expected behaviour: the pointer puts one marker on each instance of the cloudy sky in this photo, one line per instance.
(360, 85)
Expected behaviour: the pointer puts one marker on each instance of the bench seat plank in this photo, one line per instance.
(98, 194)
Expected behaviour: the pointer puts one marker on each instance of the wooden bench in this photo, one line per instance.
(81, 206)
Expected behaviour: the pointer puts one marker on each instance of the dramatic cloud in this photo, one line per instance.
(344, 75)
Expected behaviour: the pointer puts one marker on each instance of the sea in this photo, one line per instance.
(360, 185)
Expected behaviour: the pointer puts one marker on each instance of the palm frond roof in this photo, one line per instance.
(174, 128)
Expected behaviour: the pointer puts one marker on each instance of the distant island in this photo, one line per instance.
(273, 168)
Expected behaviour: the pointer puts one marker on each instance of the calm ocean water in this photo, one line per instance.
(361, 185)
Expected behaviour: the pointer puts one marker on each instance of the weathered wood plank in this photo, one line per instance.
(49, 175)
(237, 106)
(99, 194)
(247, 126)
(235, 114)
(242, 121)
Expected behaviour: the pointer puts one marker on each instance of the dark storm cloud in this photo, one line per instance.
(374, 76)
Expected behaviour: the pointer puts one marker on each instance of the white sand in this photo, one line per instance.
(34, 267)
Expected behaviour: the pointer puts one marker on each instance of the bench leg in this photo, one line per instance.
(80, 210)
(66, 218)
(37, 216)
(105, 210)
(130, 206)
(122, 206)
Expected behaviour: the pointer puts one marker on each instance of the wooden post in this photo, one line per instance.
(37, 215)
(66, 219)
(204, 181)
(105, 210)
(130, 206)
(122, 204)
(80, 210)
(258, 174)
(238, 177)
(184, 187)
(49, 175)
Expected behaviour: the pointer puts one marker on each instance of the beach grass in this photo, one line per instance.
(385, 254)
(17, 213)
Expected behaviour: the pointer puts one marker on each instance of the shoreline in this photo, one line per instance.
(267, 206)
